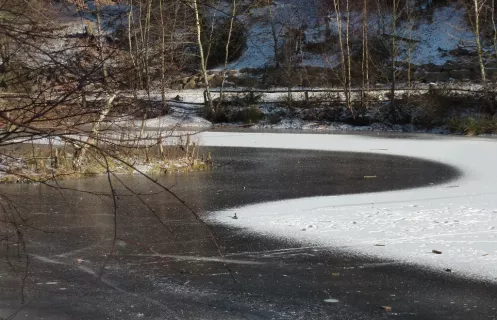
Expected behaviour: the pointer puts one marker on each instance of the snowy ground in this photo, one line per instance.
(181, 116)
(458, 218)
(187, 112)
(446, 31)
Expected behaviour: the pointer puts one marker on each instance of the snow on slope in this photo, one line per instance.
(260, 44)
(446, 29)
(458, 218)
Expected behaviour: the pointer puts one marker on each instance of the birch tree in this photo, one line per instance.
(203, 60)
(478, 7)
(227, 48)
(348, 79)
(344, 50)
(365, 53)
(393, 50)
(274, 34)
(494, 28)
(475, 10)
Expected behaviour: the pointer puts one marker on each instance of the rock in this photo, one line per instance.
(209, 78)
(216, 81)
(463, 74)
(184, 80)
(195, 79)
(177, 86)
(191, 84)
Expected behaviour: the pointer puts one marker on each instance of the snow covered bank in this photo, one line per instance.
(181, 116)
(458, 219)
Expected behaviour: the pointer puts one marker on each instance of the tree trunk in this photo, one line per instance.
(163, 58)
(203, 62)
(478, 42)
(101, 44)
(409, 51)
(93, 135)
(348, 81)
(365, 54)
(338, 16)
(275, 37)
(393, 53)
(226, 57)
(495, 29)
(130, 37)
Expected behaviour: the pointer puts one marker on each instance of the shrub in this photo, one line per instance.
(251, 114)
(244, 99)
(473, 125)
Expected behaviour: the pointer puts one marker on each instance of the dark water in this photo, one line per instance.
(165, 264)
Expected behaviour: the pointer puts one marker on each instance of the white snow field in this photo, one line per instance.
(458, 218)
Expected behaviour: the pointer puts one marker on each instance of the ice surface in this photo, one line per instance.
(458, 218)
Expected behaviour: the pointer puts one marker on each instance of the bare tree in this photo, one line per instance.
(475, 10)
(478, 7)
(393, 50)
(274, 34)
(365, 53)
(227, 48)
(344, 50)
(494, 27)
(203, 59)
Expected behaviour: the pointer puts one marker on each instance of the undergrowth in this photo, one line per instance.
(40, 163)
(473, 125)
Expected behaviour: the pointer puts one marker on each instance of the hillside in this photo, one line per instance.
(436, 34)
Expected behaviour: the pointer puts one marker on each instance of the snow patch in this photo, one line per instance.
(458, 218)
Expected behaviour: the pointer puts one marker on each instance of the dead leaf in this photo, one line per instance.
(387, 308)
